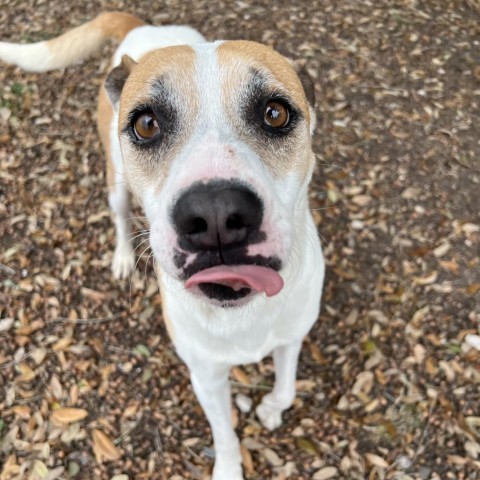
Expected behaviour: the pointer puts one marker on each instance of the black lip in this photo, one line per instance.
(208, 260)
(223, 293)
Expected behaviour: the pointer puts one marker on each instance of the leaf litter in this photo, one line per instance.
(90, 386)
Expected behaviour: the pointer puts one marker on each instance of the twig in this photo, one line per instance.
(263, 388)
(79, 321)
(6, 269)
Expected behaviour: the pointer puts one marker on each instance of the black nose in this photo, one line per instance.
(217, 215)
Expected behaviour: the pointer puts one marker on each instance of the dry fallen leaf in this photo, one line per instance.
(393, 195)
(325, 473)
(240, 376)
(26, 373)
(427, 280)
(64, 415)
(103, 447)
(376, 460)
(272, 457)
(247, 460)
(363, 383)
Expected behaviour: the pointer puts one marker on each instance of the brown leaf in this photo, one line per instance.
(65, 415)
(473, 288)
(247, 461)
(240, 376)
(93, 294)
(325, 473)
(426, 280)
(103, 447)
(26, 373)
(22, 411)
(376, 460)
(317, 355)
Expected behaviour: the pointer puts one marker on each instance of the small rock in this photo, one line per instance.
(473, 341)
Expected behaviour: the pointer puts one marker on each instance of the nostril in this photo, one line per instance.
(235, 221)
(196, 225)
(217, 214)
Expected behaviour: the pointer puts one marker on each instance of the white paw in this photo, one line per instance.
(227, 472)
(269, 413)
(123, 261)
(228, 464)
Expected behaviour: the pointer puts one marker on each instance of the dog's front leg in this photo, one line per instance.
(273, 404)
(118, 198)
(211, 385)
(123, 256)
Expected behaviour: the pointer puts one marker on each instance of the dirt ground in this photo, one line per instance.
(388, 378)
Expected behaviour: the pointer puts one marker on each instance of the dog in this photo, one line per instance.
(214, 141)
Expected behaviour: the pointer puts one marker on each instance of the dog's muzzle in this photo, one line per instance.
(217, 221)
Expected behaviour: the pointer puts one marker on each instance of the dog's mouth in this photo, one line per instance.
(232, 282)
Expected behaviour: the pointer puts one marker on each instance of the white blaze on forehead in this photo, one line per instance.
(208, 78)
(214, 150)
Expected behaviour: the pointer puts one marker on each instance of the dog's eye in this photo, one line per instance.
(146, 126)
(276, 114)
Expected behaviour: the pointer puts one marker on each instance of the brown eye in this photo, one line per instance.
(146, 126)
(276, 115)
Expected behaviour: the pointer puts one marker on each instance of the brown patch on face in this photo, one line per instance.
(173, 68)
(104, 120)
(245, 63)
(176, 63)
(257, 56)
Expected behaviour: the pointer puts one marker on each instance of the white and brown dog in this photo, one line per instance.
(213, 139)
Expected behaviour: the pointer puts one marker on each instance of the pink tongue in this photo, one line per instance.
(262, 279)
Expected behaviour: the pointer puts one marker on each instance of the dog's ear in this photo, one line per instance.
(306, 79)
(116, 79)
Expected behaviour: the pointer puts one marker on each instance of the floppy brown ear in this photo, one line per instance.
(306, 79)
(116, 79)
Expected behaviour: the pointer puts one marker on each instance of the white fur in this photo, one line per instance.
(118, 198)
(33, 57)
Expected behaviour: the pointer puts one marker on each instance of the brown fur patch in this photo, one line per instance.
(237, 60)
(177, 63)
(256, 55)
(175, 67)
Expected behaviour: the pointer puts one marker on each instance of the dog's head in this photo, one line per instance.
(216, 147)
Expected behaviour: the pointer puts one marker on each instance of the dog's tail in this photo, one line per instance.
(73, 46)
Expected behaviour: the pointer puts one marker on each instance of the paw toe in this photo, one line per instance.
(123, 261)
(271, 417)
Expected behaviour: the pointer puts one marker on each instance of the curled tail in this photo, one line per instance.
(73, 46)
